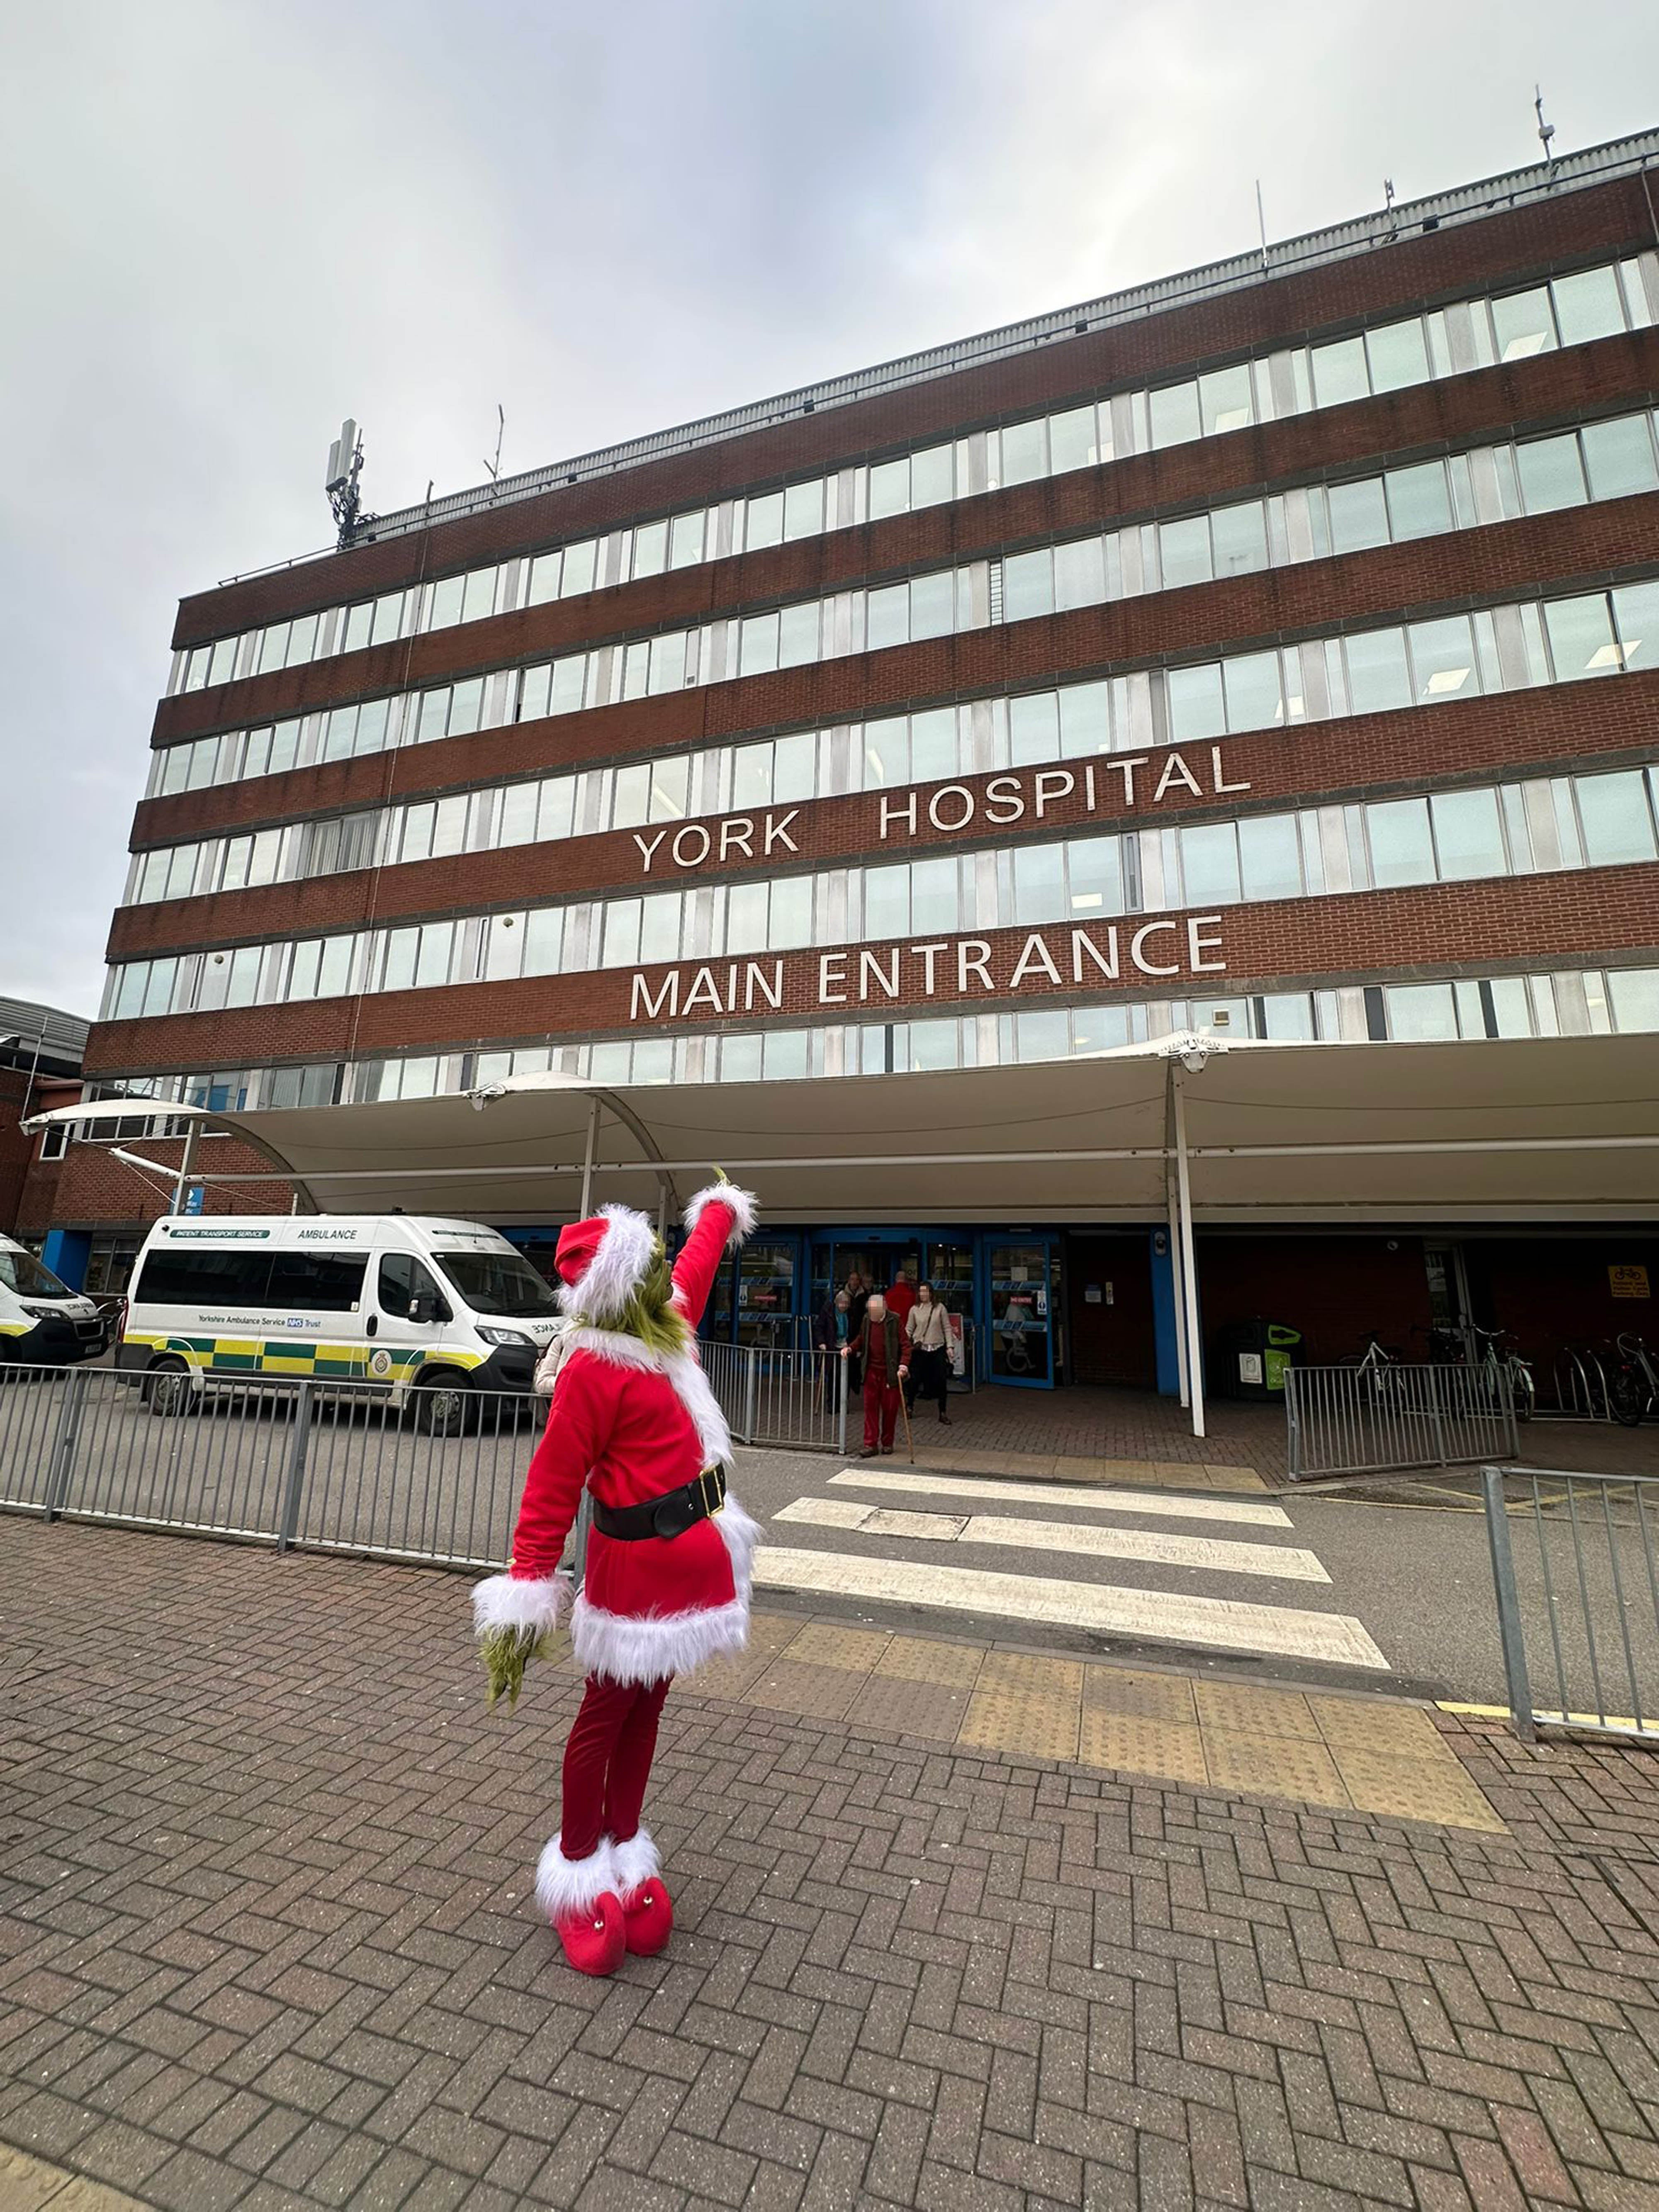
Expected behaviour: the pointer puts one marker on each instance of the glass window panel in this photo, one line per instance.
(533, 690)
(1255, 699)
(1024, 450)
(437, 949)
(466, 706)
(1397, 355)
(339, 732)
(1551, 473)
(1581, 638)
(1072, 440)
(650, 549)
(740, 1059)
(1173, 411)
(685, 539)
(751, 776)
(1094, 870)
(1033, 728)
(569, 684)
(670, 789)
(1421, 1012)
(1620, 456)
(1587, 305)
(1636, 609)
(543, 579)
(516, 825)
(621, 940)
(372, 719)
(402, 949)
(798, 635)
(794, 767)
(887, 901)
(887, 752)
(1634, 993)
(932, 476)
(557, 811)
(759, 651)
(763, 522)
(579, 566)
(443, 606)
(1403, 851)
(1039, 882)
(636, 669)
(1239, 539)
(223, 662)
(1183, 552)
(1028, 585)
(1209, 864)
(273, 653)
(1378, 675)
(1419, 501)
(789, 924)
(1613, 817)
(1521, 323)
(887, 617)
(417, 843)
(1080, 573)
(388, 617)
(1359, 515)
(889, 489)
(1468, 835)
(480, 600)
(1224, 399)
(935, 905)
(435, 715)
(933, 745)
(544, 939)
(803, 509)
(1196, 706)
(1340, 372)
(630, 796)
(1443, 658)
(1270, 857)
(1086, 720)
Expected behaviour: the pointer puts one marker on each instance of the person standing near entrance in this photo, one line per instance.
(832, 1327)
(902, 1296)
(880, 1345)
(927, 1328)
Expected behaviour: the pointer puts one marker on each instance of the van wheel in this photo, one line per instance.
(441, 1407)
(168, 1391)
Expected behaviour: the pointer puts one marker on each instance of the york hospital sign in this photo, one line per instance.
(953, 967)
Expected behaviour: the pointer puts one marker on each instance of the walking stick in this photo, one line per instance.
(909, 1439)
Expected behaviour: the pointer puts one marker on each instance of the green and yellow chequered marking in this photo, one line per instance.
(300, 1356)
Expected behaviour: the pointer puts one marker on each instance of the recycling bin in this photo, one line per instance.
(1248, 1359)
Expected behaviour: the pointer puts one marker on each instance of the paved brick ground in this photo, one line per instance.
(264, 1942)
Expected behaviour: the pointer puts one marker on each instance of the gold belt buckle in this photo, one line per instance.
(706, 1476)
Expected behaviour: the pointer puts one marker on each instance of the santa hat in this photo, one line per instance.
(603, 1261)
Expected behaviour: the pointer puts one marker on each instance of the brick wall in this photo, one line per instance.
(95, 1190)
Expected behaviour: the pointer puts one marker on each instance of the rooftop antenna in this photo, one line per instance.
(1387, 200)
(495, 466)
(1545, 131)
(345, 466)
(1262, 226)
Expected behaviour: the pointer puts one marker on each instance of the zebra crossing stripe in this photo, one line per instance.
(1153, 1547)
(1081, 1495)
(1141, 1616)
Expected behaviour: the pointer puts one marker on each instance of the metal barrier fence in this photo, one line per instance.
(798, 1399)
(1373, 1419)
(1573, 1573)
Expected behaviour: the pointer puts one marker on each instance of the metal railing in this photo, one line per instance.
(772, 1395)
(1378, 1418)
(1573, 1573)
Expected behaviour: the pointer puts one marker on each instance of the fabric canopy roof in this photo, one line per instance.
(1526, 1129)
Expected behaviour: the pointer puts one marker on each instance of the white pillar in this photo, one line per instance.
(587, 1158)
(1177, 1276)
(1188, 1270)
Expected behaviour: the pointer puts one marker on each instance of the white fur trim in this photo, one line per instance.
(743, 1205)
(509, 1601)
(684, 1372)
(627, 1647)
(741, 1533)
(636, 1862)
(616, 1269)
(565, 1886)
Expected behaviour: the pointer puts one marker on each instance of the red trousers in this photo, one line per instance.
(607, 1762)
(881, 1406)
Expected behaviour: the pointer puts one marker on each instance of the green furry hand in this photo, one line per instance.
(507, 1652)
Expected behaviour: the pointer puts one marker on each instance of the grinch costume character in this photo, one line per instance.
(634, 1421)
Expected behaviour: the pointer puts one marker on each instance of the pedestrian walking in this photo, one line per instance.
(927, 1328)
(880, 1345)
(634, 1422)
(832, 1327)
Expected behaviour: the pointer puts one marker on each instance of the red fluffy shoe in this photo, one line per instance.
(578, 1896)
(646, 1906)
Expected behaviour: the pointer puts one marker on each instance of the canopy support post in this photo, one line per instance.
(185, 1164)
(1176, 1278)
(587, 1159)
(1189, 1268)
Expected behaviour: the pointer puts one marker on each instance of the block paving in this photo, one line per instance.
(266, 1939)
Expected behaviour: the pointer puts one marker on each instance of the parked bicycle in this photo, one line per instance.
(1498, 1364)
(1633, 1385)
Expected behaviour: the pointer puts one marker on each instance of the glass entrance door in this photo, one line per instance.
(1022, 1291)
(767, 1271)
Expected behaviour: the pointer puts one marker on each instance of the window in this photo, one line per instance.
(1028, 585)
(1443, 658)
(1397, 355)
(1587, 305)
(1620, 457)
(316, 1282)
(1401, 849)
(1614, 819)
(1359, 515)
(1239, 535)
(1551, 473)
(1225, 400)
(1196, 708)
(1420, 503)
(1468, 835)
(1270, 857)
(1340, 372)
(1379, 677)
(1183, 552)
(1581, 638)
(889, 489)
(1173, 414)
(1256, 699)
(1024, 450)
(1209, 864)
(1523, 324)
(402, 1279)
(174, 1275)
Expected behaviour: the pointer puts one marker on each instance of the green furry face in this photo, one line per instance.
(650, 1313)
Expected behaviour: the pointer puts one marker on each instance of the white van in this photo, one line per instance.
(42, 1322)
(426, 1310)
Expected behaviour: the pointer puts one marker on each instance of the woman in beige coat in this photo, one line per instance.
(927, 1326)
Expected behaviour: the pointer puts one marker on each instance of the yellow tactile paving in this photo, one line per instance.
(1128, 1743)
(1029, 1673)
(821, 1645)
(1372, 1724)
(816, 1692)
(1233, 1478)
(919, 1659)
(1256, 1711)
(1275, 1766)
(1032, 1724)
(1431, 1788)
(1167, 1698)
(911, 1708)
(768, 1634)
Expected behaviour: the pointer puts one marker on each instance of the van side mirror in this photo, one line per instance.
(422, 1308)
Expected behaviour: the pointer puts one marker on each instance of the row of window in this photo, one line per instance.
(1568, 1002)
(1512, 829)
(1487, 484)
(1467, 335)
(1400, 664)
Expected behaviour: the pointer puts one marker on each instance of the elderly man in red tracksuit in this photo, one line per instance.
(880, 1345)
(634, 1421)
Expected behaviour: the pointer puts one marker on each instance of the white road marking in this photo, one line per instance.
(1072, 1494)
(1287, 1561)
(1158, 1616)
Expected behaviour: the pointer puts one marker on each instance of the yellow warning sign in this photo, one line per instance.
(1629, 1282)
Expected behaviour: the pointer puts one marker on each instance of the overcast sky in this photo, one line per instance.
(230, 222)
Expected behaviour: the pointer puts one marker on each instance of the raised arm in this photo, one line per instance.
(717, 1220)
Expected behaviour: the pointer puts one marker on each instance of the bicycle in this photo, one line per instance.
(1493, 1364)
(1377, 1365)
(1634, 1388)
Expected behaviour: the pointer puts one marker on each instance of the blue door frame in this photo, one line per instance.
(1044, 1316)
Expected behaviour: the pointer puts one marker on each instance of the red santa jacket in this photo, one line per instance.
(628, 1423)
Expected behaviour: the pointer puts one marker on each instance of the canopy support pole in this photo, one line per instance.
(1189, 1268)
(1177, 1277)
(587, 1158)
(185, 1166)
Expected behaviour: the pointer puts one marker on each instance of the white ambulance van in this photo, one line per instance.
(425, 1310)
(43, 1323)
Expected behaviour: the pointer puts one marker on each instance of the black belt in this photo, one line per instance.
(669, 1515)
